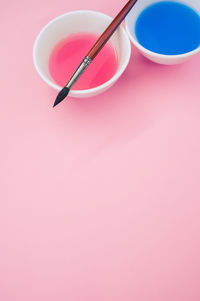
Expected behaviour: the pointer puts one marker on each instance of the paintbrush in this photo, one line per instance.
(107, 34)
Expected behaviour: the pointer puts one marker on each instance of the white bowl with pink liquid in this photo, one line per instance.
(73, 23)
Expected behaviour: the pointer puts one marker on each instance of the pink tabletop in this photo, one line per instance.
(100, 198)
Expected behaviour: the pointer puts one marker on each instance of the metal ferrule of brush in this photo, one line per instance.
(79, 71)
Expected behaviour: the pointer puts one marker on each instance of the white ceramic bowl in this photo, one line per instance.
(75, 22)
(155, 57)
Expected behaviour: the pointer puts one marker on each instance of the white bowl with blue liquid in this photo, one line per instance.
(166, 32)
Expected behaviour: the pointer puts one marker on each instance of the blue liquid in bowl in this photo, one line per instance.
(169, 28)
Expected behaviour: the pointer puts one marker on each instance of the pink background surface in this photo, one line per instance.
(100, 198)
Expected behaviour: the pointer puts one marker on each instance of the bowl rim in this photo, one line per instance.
(155, 54)
(105, 85)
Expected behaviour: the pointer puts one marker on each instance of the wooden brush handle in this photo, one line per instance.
(110, 30)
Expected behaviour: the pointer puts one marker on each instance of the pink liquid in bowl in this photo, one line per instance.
(68, 54)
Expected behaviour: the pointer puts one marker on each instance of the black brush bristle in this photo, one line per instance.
(61, 96)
